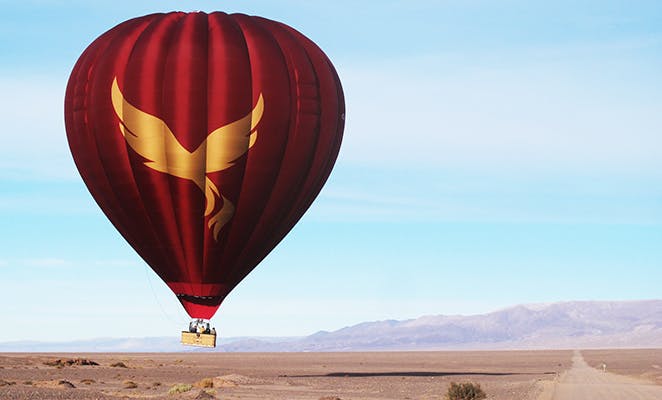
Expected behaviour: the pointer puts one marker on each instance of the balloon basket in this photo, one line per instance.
(198, 339)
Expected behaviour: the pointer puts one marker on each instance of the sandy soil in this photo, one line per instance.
(587, 383)
(512, 375)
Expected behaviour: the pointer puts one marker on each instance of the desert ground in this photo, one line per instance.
(512, 375)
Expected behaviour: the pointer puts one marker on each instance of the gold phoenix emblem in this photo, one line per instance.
(150, 137)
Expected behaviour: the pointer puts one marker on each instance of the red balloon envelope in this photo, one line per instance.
(204, 138)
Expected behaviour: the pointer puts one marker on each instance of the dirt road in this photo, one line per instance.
(582, 382)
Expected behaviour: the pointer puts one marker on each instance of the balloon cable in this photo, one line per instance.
(177, 324)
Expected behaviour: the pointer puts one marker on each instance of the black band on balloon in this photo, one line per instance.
(204, 300)
(196, 297)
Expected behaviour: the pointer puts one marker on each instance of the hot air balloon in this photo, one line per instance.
(203, 138)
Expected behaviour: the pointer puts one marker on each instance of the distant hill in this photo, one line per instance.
(166, 344)
(583, 324)
(124, 345)
(558, 325)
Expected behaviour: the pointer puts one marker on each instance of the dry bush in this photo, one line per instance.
(205, 395)
(67, 363)
(234, 380)
(66, 384)
(6, 383)
(465, 391)
(87, 381)
(130, 385)
(119, 364)
(83, 361)
(205, 383)
(180, 388)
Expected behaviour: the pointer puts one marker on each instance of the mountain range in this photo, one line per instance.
(558, 325)
(581, 324)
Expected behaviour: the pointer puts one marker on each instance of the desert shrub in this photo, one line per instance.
(206, 394)
(59, 363)
(27, 383)
(87, 381)
(130, 385)
(81, 361)
(66, 384)
(205, 383)
(465, 391)
(180, 388)
(119, 364)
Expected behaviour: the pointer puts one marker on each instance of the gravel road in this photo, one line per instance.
(586, 383)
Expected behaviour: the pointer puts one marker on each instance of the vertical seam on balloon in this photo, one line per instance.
(227, 269)
(304, 198)
(203, 268)
(317, 184)
(281, 219)
(157, 237)
(238, 276)
(222, 266)
(96, 144)
(205, 231)
(199, 270)
(340, 125)
(178, 231)
(287, 218)
(90, 128)
(331, 156)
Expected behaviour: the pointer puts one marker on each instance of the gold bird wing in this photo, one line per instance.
(229, 142)
(222, 147)
(151, 137)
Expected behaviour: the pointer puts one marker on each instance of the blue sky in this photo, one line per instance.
(495, 153)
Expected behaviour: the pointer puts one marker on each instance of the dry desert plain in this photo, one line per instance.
(512, 375)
